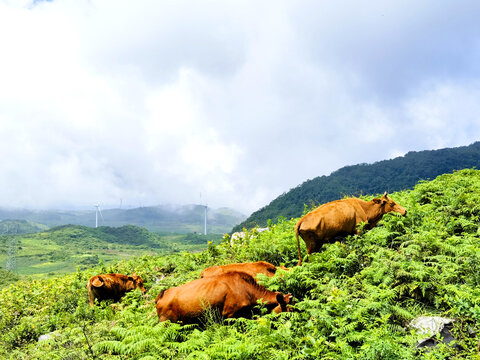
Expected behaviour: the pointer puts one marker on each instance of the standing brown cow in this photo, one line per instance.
(340, 218)
(233, 294)
(251, 268)
(112, 286)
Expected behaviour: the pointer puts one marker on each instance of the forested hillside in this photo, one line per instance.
(388, 175)
(355, 300)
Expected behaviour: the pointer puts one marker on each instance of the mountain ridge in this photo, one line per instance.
(396, 174)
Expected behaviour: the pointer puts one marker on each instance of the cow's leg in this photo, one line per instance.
(314, 249)
(313, 243)
(233, 305)
(318, 246)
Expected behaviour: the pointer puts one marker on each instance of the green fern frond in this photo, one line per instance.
(111, 347)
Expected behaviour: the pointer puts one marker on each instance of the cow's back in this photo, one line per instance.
(340, 216)
(252, 269)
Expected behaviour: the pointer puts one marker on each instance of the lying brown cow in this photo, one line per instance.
(340, 218)
(252, 269)
(233, 294)
(112, 286)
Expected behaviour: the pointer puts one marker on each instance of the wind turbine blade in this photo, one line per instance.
(101, 215)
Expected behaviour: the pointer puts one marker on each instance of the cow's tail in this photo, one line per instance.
(90, 294)
(297, 227)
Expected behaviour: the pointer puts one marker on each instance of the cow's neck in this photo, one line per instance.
(268, 296)
(373, 212)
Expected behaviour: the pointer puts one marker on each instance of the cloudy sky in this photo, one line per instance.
(151, 102)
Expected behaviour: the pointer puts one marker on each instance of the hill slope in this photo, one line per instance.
(389, 175)
(355, 300)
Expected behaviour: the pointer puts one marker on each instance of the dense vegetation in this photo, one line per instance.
(175, 219)
(65, 248)
(7, 277)
(353, 301)
(389, 175)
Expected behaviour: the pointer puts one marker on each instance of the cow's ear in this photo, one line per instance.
(288, 298)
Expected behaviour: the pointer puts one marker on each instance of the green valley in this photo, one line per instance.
(65, 248)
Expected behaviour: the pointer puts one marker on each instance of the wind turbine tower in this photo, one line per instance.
(97, 206)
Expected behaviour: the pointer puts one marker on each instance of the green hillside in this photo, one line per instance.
(20, 227)
(389, 175)
(65, 248)
(353, 301)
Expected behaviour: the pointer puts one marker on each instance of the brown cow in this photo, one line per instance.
(252, 269)
(233, 294)
(340, 218)
(112, 286)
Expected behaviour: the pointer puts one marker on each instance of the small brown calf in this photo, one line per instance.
(112, 286)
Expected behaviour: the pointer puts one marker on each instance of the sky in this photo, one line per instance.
(229, 103)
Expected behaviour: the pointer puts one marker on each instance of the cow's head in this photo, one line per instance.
(388, 205)
(283, 301)
(137, 282)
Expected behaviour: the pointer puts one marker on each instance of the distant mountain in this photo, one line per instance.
(388, 175)
(20, 227)
(167, 218)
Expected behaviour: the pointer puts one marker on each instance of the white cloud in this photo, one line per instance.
(446, 113)
(154, 102)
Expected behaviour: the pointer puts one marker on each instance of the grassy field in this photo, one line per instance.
(70, 248)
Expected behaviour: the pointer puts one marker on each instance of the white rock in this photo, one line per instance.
(44, 337)
(430, 325)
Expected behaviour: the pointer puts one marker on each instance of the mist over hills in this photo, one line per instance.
(392, 175)
(162, 218)
(396, 174)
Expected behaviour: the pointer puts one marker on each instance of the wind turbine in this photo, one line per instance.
(97, 206)
(206, 207)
